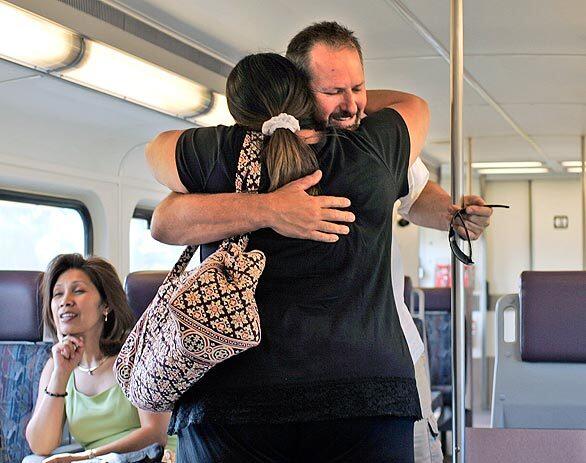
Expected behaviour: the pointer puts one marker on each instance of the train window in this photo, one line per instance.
(35, 228)
(145, 252)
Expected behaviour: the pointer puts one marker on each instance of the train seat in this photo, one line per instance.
(439, 338)
(23, 356)
(540, 369)
(141, 287)
(407, 290)
(415, 301)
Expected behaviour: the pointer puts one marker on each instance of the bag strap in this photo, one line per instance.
(247, 180)
(247, 177)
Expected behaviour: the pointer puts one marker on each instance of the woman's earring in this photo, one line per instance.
(106, 317)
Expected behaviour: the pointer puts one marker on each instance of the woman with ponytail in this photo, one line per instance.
(332, 379)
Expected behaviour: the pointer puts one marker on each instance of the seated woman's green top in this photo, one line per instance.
(102, 418)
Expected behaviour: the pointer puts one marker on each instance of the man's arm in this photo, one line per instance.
(160, 155)
(289, 210)
(205, 218)
(413, 110)
(434, 209)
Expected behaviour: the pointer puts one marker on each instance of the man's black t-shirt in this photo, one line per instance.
(332, 345)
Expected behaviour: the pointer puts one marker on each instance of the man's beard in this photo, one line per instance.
(333, 120)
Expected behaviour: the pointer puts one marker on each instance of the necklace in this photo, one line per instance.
(91, 370)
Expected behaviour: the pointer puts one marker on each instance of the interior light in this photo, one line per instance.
(572, 163)
(575, 170)
(526, 170)
(218, 114)
(112, 71)
(512, 164)
(35, 42)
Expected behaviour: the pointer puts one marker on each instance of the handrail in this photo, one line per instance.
(458, 314)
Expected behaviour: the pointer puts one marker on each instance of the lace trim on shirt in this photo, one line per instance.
(300, 402)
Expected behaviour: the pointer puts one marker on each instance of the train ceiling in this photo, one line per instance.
(528, 55)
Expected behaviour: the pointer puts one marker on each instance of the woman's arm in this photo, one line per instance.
(153, 429)
(43, 432)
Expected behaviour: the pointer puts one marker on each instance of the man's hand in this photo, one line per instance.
(296, 214)
(290, 211)
(477, 217)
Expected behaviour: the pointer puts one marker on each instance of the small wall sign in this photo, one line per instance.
(560, 221)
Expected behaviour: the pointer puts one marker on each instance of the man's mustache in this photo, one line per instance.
(342, 115)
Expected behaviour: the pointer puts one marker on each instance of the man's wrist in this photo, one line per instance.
(263, 211)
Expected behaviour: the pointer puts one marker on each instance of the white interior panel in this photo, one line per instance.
(531, 79)
(555, 248)
(413, 75)
(549, 119)
(234, 29)
(505, 26)
(10, 71)
(507, 238)
(50, 119)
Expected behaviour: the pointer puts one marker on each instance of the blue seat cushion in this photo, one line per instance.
(439, 340)
(21, 365)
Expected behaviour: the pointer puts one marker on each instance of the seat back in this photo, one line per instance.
(407, 289)
(23, 357)
(439, 338)
(141, 288)
(540, 369)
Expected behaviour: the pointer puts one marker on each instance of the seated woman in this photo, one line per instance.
(85, 309)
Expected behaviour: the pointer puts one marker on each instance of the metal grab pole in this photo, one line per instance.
(458, 290)
(469, 171)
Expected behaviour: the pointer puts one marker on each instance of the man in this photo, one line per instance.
(332, 57)
(341, 95)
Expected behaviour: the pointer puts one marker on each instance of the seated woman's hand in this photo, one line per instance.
(67, 457)
(67, 354)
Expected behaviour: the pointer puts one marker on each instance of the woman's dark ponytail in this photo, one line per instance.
(288, 158)
(265, 85)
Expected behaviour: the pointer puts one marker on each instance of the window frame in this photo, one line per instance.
(56, 201)
(144, 214)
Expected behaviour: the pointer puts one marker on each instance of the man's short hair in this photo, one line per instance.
(327, 32)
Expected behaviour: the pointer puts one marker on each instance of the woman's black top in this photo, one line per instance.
(332, 345)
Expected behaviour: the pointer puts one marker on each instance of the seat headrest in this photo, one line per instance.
(553, 316)
(141, 288)
(407, 290)
(438, 299)
(20, 306)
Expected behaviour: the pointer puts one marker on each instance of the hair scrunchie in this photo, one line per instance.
(282, 121)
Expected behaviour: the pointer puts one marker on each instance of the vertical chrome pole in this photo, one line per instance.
(458, 290)
(469, 168)
(583, 146)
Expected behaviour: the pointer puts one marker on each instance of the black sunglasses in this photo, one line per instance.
(452, 235)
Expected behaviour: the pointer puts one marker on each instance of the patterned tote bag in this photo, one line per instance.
(199, 317)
